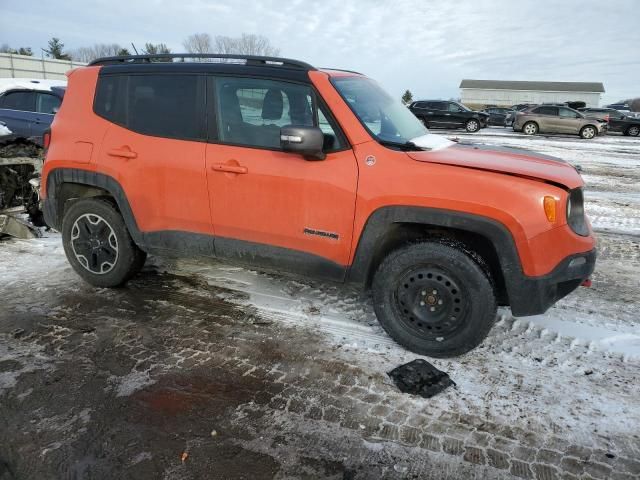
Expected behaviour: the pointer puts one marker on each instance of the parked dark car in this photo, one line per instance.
(29, 112)
(497, 115)
(511, 115)
(616, 120)
(447, 114)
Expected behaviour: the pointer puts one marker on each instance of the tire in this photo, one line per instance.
(530, 128)
(633, 131)
(472, 125)
(588, 132)
(98, 245)
(434, 299)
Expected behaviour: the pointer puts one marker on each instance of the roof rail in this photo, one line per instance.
(341, 70)
(253, 60)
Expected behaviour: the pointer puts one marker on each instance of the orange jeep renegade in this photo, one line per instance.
(274, 164)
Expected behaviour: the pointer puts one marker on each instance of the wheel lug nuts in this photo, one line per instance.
(422, 304)
(435, 292)
(433, 309)
(439, 302)
(424, 292)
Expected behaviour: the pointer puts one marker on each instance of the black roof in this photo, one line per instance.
(270, 67)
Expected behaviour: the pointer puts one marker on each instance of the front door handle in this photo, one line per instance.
(124, 152)
(225, 167)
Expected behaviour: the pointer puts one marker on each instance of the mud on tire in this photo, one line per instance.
(98, 244)
(434, 299)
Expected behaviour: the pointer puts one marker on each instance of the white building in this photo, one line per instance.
(478, 93)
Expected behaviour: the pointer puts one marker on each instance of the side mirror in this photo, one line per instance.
(307, 141)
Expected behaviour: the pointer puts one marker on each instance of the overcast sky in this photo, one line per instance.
(423, 45)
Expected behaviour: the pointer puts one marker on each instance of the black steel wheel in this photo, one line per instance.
(434, 299)
(431, 301)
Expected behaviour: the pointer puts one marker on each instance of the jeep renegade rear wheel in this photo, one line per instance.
(98, 245)
(434, 299)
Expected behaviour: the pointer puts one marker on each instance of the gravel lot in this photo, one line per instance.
(210, 371)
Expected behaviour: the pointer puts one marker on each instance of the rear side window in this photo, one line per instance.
(546, 110)
(161, 105)
(24, 101)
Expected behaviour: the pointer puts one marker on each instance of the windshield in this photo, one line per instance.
(387, 119)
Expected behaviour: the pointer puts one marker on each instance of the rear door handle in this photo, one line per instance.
(124, 152)
(224, 167)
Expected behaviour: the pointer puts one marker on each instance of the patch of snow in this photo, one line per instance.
(4, 130)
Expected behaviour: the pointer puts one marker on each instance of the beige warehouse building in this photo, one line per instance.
(478, 93)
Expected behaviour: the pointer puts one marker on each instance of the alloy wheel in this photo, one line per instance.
(94, 243)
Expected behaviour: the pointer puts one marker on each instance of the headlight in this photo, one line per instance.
(575, 212)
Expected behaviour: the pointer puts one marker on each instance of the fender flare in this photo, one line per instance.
(53, 206)
(381, 220)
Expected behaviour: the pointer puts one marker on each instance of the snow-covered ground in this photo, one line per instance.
(570, 375)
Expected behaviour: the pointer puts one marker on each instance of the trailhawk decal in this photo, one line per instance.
(320, 233)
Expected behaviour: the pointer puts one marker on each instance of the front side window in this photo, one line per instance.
(383, 116)
(566, 113)
(454, 107)
(251, 111)
(546, 111)
(47, 103)
(23, 101)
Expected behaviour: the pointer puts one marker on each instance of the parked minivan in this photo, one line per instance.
(556, 119)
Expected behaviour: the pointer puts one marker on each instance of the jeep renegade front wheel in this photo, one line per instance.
(98, 245)
(434, 299)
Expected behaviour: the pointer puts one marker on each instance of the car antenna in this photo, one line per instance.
(134, 48)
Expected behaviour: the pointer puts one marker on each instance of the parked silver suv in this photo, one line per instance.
(556, 119)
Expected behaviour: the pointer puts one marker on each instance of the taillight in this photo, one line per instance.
(46, 140)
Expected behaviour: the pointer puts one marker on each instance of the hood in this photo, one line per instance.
(511, 161)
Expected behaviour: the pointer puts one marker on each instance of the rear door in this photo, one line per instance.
(547, 118)
(437, 114)
(17, 111)
(274, 208)
(155, 148)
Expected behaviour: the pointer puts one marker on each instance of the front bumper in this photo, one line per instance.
(535, 295)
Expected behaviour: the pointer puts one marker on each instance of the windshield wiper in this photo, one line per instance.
(406, 146)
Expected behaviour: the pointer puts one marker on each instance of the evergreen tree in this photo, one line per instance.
(55, 50)
(407, 97)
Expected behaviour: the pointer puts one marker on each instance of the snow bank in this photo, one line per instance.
(4, 131)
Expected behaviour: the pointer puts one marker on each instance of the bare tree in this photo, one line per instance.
(246, 44)
(87, 54)
(198, 43)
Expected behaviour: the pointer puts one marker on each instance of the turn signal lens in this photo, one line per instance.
(550, 208)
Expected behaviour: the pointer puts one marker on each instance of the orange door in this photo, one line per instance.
(282, 200)
(164, 179)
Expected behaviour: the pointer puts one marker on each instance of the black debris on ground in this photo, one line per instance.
(420, 378)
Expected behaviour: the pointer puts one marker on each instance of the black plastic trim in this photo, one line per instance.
(526, 295)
